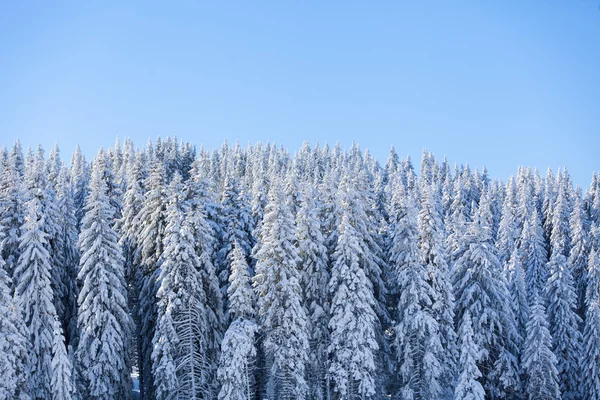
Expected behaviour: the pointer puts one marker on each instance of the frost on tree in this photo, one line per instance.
(34, 294)
(481, 290)
(315, 276)
(62, 370)
(180, 366)
(282, 316)
(104, 322)
(418, 344)
(238, 351)
(468, 386)
(538, 360)
(14, 346)
(352, 341)
(433, 256)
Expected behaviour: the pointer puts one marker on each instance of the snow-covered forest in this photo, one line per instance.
(255, 273)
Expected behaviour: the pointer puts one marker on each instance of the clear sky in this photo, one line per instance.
(500, 83)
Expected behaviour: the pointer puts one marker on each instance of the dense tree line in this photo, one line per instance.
(254, 274)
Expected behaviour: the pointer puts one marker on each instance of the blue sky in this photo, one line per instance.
(500, 83)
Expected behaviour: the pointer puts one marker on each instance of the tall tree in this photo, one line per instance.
(352, 341)
(236, 365)
(12, 211)
(434, 257)
(535, 257)
(468, 386)
(315, 276)
(151, 219)
(282, 316)
(104, 321)
(562, 316)
(14, 346)
(418, 343)
(181, 335)
(36, 299)
(62, 370)
(481, 290)
(539, 362)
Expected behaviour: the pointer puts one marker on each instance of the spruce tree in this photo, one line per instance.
(36, 299)
(590, 355)
(562, 317)
(433, 256)
(468, 387)
(353, 340)
(62, 370)
(314, 280)
(180, 340)
(480, 289)
(238, 351)
(539, 362)
(418, 342)
(535, 257)
(104, 322)
(14, 345)
(282, 316)
(151, 220)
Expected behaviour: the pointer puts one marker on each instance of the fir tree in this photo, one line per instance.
(418, 344)
(36, 299)
(590, 355)
(180, 340)
(14, 346)
(535, 256)
(314, 279)
(151, 220)
(103, 321)
(539, 362)
(236, 365)
(282, 316)
(468, 386)
(62, 370)
(434, 257)
(563, 319)
(352, 341)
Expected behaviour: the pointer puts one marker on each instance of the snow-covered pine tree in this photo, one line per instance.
(538, 361)
(236, 364)
(203, 215)
(104, 322)
(70, 257)
(14, 345)
(12, 212)
(314, 280)
(151, 219)
(237, 226)
(62, 370)
(179, 357)
(590, 355)
(418, 343)
(282, 316)
(80, 179)
(353, 337)
(480, 289)
(36, 299)
(468, 387)
(128, 228)
(579, 251)
(562, 316)
(508, 233)
(518, 292)
(535, 257)
(434, 257)
(592, 292)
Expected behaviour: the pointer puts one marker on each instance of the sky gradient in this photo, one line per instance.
(500, 84)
